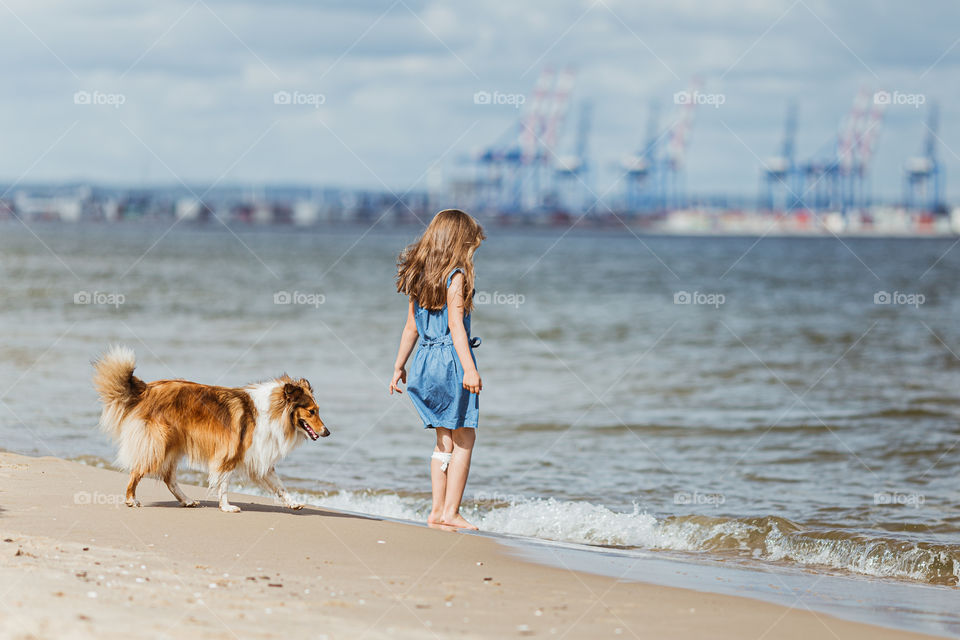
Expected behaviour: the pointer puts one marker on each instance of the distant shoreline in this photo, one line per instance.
(611, 227)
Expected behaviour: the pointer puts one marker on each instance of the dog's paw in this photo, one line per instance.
(133, 503)
(296, 506)
(195, 503)
(230, 508)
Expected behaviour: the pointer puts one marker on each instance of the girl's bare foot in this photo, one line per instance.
(460, 522)
(434, 518)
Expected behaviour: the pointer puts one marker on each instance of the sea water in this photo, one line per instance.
(770, 403)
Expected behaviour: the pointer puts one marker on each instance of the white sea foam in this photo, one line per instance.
(760, 539)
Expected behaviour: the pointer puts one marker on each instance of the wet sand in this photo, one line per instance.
(76, 562)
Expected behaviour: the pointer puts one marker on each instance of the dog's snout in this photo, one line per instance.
(324, 432)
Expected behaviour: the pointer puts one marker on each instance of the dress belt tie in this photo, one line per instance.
(448, 339)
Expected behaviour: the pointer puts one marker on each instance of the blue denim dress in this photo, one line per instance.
(435, 380)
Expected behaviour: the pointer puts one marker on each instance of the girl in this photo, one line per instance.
(436, 272)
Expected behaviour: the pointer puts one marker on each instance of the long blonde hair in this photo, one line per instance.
(448, 242)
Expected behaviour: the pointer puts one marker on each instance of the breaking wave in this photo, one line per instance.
(764, 539)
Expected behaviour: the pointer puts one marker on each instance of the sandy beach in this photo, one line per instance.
(76, 562)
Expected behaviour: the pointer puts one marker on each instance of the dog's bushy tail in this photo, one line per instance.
(115, 383)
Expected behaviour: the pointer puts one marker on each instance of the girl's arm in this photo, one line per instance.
(471, 378)
(408, 340)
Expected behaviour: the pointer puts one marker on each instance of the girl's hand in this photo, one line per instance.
(399, 375)
(472, 382)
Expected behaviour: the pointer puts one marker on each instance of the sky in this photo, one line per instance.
(382, 93)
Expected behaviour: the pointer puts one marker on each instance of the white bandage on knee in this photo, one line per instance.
(444, 459)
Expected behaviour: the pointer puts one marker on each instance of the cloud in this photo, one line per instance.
(398, 80)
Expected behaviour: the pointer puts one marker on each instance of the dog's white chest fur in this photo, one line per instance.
(272, 439)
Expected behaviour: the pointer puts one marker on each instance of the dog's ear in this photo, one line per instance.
(303, 382)
(291, 392)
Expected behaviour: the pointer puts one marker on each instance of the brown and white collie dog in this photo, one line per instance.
(223, 429)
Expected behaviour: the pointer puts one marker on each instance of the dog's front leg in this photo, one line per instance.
(272, 480)
(222, 481)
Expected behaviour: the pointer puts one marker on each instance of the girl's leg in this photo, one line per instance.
(438, 477)
(463, 440)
